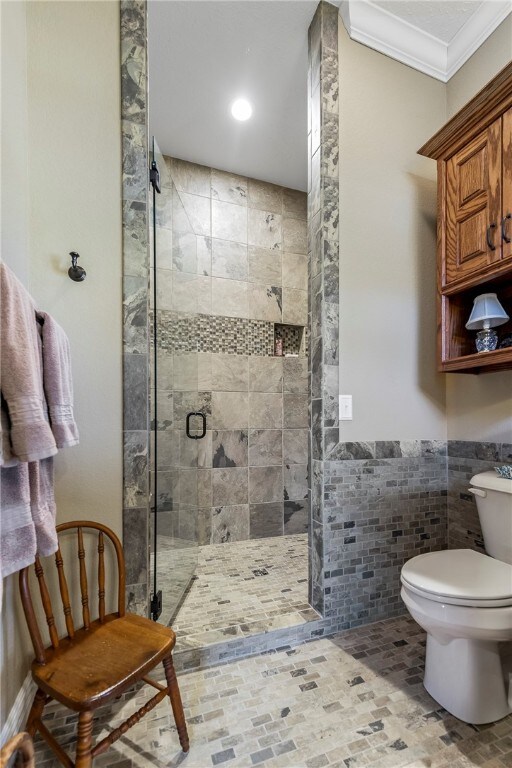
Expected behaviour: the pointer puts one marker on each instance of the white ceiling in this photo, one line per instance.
(439, 18)
(205, 53)
(434, 36)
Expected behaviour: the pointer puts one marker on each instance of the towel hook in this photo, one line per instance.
(75, 272)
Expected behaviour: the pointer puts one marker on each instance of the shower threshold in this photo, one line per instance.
(241, 590)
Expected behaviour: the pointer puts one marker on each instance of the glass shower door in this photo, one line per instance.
(177, 421)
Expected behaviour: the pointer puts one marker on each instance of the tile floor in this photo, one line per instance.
(241, 589)
(349, 701)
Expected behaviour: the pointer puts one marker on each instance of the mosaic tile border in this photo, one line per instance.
(182, 332)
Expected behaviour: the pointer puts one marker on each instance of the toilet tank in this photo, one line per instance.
(493, 497)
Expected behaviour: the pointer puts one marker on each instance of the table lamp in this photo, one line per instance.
(486, 314)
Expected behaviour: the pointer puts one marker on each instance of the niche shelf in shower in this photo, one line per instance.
(294, 339)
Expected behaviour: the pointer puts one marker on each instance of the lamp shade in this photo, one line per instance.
(487, 312)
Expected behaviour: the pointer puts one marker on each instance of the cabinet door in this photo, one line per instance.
(473, 207)
(506, 223)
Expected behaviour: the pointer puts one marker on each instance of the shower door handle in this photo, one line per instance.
(203, 417)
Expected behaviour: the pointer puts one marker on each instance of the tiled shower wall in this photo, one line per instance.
(231, 262)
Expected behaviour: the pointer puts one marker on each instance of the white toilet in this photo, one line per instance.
(463, 600)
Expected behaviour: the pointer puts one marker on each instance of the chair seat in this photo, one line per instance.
(102, 661)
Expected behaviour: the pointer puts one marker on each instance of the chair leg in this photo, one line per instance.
(36, 711)
(84, 741)
(177, 706)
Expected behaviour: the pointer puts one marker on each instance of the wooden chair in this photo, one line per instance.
(21, 743)
(97, 662)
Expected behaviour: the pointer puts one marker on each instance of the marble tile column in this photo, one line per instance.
(323, 247)
(135, 301)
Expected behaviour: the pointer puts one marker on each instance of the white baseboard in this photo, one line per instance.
(17, 717)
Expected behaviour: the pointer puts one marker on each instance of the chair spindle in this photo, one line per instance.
(47, 604)
(64, 593)
(101, 577)
(83, 580)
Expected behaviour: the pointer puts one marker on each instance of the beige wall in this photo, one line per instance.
(480, 407)
(14, 209)
(75, 194)
(486, 62)
(387, 248)
(72, 139)
(387, 252)
(15, 201)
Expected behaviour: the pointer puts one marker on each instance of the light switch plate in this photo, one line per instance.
(345, 407)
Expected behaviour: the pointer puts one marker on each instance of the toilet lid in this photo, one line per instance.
(460, 577)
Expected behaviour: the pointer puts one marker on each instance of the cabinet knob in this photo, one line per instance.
(490, 242)
(504, 235)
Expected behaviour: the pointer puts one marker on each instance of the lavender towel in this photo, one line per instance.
(18, 539)
(7, 458)
(57, 382)
(21, 379)
(27, 514)
(42, 505)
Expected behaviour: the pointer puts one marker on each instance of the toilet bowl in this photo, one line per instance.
(463, 600)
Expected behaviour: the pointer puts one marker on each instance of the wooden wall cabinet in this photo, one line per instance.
(474, 239)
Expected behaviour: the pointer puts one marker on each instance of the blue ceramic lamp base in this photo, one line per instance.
(486, 340)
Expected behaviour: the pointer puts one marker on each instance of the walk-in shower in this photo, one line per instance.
(229, 402)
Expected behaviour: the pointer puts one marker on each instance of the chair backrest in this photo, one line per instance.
(26, 597)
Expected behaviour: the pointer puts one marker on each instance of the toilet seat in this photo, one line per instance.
(459, 577)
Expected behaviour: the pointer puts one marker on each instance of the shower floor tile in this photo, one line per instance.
(354, 700)
(241, 589)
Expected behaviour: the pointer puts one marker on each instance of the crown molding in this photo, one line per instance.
(381, 30)
(475, 32)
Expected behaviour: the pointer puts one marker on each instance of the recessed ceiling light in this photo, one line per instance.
(241, 109)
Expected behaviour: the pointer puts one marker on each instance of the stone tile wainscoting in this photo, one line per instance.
(231, 263)
(385, 502)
